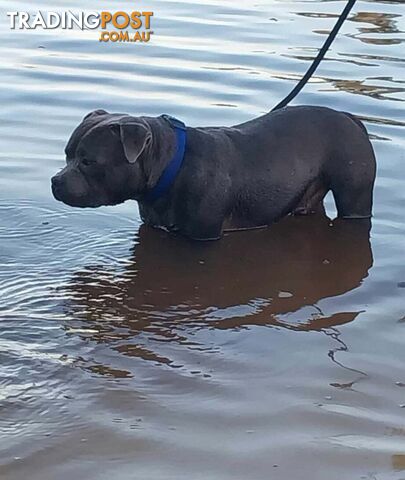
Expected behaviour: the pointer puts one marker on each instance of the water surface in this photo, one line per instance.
(132, 354)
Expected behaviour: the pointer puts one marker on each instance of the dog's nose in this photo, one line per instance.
(56, 186)
(56, 181)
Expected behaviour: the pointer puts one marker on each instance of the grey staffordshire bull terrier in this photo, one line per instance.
(201, 182)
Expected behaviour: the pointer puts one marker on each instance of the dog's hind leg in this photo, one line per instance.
(352, 171)
(353, 191)
(354, 202)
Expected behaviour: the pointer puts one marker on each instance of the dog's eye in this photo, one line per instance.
(87, 161)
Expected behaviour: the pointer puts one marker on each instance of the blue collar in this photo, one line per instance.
(170, 172)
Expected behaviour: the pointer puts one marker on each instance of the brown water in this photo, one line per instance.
(127, 353)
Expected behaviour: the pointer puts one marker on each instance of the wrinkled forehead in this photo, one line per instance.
(91, 132)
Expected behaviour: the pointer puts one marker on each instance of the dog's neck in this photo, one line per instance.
(160, 152)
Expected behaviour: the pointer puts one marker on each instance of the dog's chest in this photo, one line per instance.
(153, 217)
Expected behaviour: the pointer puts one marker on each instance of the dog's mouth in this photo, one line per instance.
(80, 201)
(71, 202)
(85, 199)
(56, 193)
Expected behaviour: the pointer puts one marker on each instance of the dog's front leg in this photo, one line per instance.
(204, 229)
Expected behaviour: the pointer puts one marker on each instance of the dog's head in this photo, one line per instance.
(103, 164)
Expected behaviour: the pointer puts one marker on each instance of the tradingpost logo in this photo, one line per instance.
(114, 26)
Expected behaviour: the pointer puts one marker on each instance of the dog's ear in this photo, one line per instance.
(95, 113)
(135, 137)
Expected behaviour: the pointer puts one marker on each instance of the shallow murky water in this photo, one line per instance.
(129, 353)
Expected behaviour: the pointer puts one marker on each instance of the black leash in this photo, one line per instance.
(300, 85)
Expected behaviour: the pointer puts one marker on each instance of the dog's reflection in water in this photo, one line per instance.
(247, 278)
